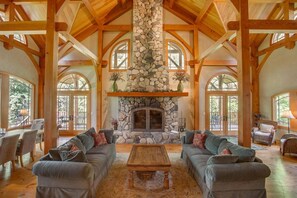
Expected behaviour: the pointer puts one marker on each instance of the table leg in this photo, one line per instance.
(131, 180)
(166, 180)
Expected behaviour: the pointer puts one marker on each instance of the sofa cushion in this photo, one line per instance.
(190, 136)
(245, 154)
(190, 150)
(199, 140)
(108, 134)
(222, 159)
(86, 140)
(106, 149)
(54, 152)
(266, 128)
(225, 152)
(99, 164)
(212, 143)
(78, 143)
(90, 131)
(73, 156)
(199, 163)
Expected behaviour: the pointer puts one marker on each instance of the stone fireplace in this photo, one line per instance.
(147, 119)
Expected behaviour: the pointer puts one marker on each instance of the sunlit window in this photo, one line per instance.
(281, 103)
(20, 102)
(223, 82)
(120, 56)
(176, 56)
(73, 82)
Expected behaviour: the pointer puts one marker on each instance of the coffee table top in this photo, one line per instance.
(148, 155)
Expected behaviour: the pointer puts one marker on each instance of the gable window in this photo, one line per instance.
(223, 82)
(120, 56)
(175, 56)
(281, 103)
(73, 82)
(20, 102)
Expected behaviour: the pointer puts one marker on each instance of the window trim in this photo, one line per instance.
(76, 73)
(221, 73)
(111, 52)
(183, 51)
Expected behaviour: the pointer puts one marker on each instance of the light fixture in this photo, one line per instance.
(288, 114)
(24, 112)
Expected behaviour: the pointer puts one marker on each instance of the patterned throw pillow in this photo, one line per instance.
(199, 140)
(74, 148)
(225, 152)
(99, 139)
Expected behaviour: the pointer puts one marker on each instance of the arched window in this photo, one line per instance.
(175, 56)
(20, 102)
(120, 56)
(18, 37)
(73, 82)
(223, 82)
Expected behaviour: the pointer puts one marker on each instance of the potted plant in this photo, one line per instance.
(115, 76)
(181, 77)
(114, 123)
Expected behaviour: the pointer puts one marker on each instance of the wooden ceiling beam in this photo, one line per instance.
(184, 17)
(28, 27)
(261, 1)
(69, 63)
(217, 45)
(115, 39)
(77, 45)
(21, 46)
(92, 11)
(203, 11)
(266, 26)
(169, 27)
(117, 12)
(18, 2)
(230, 63)
(114, 28)
(171, 3)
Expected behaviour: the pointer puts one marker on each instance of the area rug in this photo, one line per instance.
(234, 140)
(181, 184)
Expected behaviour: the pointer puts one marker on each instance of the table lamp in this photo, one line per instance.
(288, 114)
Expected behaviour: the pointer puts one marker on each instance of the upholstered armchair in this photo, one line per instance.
(38, 124)
(8, 146)
(288, 144)
(26, 145)
(264, 132)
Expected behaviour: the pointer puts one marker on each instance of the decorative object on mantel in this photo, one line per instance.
(114, 123)
(181, 77)
(115, 76)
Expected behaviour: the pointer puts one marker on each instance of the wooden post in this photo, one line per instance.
(244, 84)
(4, 100)
(50, 84)
(196, 79)
(99, 79)
(40, 113)
(255, 85)
(9, 11)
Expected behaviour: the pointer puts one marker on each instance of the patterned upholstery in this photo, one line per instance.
(8, 146)
(264, 136)
(288, 144)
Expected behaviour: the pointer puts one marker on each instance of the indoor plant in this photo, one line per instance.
(114, 123)
(115, 76)
(181, 77)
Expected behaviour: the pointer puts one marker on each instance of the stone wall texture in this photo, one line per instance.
(147, 72)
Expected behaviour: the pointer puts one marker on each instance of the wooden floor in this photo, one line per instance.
(281, 183)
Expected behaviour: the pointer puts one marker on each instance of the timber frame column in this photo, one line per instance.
(40, 113)
(255, 85)
(50, 84)
(244, 77)
(99, 79)
(197, 69)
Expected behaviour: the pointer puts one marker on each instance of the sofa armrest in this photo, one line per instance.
(114, 139)
(183, 139)
(58, 169)
(237, 171)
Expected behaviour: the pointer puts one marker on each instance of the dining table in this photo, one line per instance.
(20, 132)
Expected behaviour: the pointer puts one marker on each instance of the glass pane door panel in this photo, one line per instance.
(63, 112)
(155, 119)
(232, 113)
(215, 113)
(80, 109)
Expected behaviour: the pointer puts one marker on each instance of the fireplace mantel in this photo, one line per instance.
(147, 94)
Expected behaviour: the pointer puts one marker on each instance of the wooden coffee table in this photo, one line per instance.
(146, 158)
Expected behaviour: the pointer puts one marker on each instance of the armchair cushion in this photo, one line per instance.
(266, 128)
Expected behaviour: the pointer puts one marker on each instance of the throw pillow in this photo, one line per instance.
(266, 128)
(74, 148)
(190, 136)
(199, 140)
(73, 156)
(90, 131)
(225, 152)
(86, 140)
(108, 134)
(222, 159)
(54, 152)
(244, 154)
(78, 143)
(212, 143)
(99, 139)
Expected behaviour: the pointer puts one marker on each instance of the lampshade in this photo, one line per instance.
(24, 112)
(287, 114)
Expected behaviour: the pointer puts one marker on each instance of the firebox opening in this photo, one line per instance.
(148, 119)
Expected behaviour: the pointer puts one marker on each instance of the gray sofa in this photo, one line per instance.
(77, 176)
(240, 174)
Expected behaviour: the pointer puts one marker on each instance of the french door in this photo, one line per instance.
(73, 111)
(222, 113)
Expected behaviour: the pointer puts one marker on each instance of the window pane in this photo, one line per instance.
(119, 57)
(281, 104)
(175, 57)
(73, 82)
(20, 98)
(223, 82)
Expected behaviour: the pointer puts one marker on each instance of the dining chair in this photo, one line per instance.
(38, 124)
(8, 146)
(26, 145)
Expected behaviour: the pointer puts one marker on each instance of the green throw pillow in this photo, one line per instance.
(76, 141)
(212, 143)
(108, 134)
(73, 156)
(86, 140)
(222, 159)
(245, 154)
